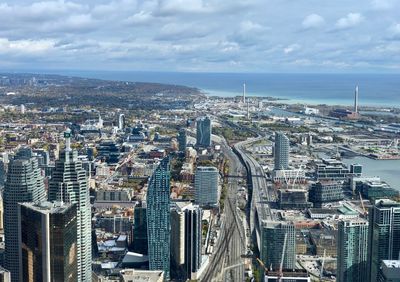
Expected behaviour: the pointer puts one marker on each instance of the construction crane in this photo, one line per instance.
(280, 275)
(322, 266)
(362, 204)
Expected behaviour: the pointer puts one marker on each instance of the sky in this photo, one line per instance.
(202, 35)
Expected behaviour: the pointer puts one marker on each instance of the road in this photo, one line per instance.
(227, 263)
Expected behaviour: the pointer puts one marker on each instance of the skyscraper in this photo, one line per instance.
(281, 151)
(182, 140)
(203, 133)
(24, 184)
(356, 100)
(69, 184)
(352, 245)
(273, 237)
(48, 241)
(206, 186)
(121, 122)
(384, 234)
(140, 243)
(193, 238)
(158, 218)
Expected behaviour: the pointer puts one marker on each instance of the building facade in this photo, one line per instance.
(325, 192)
(384, 234)
(203, 132)
(158, 218)
(206, 186)
(352, 250)
(69, 184)
(281, 151)
(182, 140)
(48, 242)
(24, 184)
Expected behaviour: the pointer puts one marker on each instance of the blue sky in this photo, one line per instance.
(202, 35)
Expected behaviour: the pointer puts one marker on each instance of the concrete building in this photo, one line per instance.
(206, 186)
(203, 132)
(384, 234)
(48, 242)
(325, 192)
(193, 239)
(70, 184)
(158, 218)
(352, 250)
(5, 275)
(24, 184)
(389, 271)
(133, 275)
(121, 122)
(281, 151)
(293, 199)
(273, 244)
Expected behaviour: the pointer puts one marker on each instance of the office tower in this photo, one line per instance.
(121, 122)
(356, 100)
(281, 151)
(48, 241)
(206, 186)
(389, 271)
(24, 184)
(182, 140)
(352, 250)
(69, 184)
(193, 233)
(5, 275)
(325, 192)
(277, 239)
(203, 133)
(384, 234)
(158, 218)
(2, 173)
(178, 240)
(140, 243)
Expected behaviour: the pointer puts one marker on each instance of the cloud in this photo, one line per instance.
(349, 21)
(394, 31)
(291, 48)
(313, 21)
(382, 4)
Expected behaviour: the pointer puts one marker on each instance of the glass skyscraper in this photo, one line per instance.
(281, 151)
(158, 218)
(206, 186)
(69, 184)
(352, 250)
(203, 132)
(182, 140)
(193, 236)
(48, 241)
(24, 184)
(384, 234)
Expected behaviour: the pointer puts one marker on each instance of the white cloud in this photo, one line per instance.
(313, 21)
(349, 21)
(291, 48)
(382, 4)
(25, 47)
(394, 31)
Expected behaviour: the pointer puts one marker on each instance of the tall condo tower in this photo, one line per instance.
(158, 218)
(281, 151)
(244, 93)
(203, 132)
(356, 100)
(70, 184)
(384, 234)
(352, 250)
(24, 184)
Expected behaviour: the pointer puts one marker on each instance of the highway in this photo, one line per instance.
(226, 262)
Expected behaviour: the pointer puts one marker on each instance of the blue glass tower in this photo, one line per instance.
(158, 218)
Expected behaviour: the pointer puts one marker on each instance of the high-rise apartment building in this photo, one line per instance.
(203, 132)
(352, 250)
(48, 242)
(69, 184)
(281, 151)
(384, 234)
(140, 242)
(278, 238)
(182, 140)
(24, 184)
(158, 218)
(206, 186)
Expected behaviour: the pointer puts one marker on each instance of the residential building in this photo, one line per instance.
(158, 218)
(140, 242)
(325, 192)
(281, 151)
(389, 271)
(203, 132)
(352, 250)
(182, 140)
(384, 234)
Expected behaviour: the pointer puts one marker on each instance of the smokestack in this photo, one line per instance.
(244, 93)
(356, 100)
